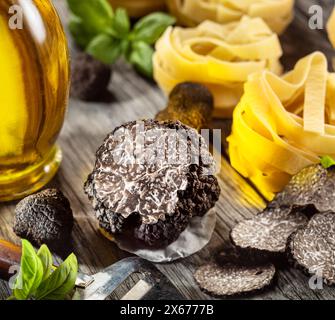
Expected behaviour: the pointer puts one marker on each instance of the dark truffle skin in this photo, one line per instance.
(190, 103)
(45, 218)
(90, 78)
(150, 202)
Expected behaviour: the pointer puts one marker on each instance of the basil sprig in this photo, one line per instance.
(39, 280)
(108, 35)
(327, 162)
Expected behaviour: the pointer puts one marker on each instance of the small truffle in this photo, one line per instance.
(232, 280)
(146, 187)
(267, 232)
(312, 189)
(90, 78)
(312, 248)
(190, 103)
(45, 218)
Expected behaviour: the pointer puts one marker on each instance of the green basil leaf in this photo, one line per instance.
(327, 162)
(141, 58)
(96, 15)
(151, 27)
(77, 28)
(121, 23)
(61, 282)
(30, 275)
(105, 48)
(47, 261)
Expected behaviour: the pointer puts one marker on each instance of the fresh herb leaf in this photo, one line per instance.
(121, 23)
(151, 27)
(141, 57)
(47, 262)
(105, 48)
(61, 281)
(38, 279)
(79, 32)
(107, 36)
(96, 15)
(327, 162)
(30, 275)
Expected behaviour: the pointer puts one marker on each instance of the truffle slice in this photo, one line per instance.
(313, 188)
(267, 232)
(312, 248)
(45, 218)
(230, 280)
(90, 78)
(145, 183)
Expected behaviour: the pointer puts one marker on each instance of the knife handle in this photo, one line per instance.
(10, 255)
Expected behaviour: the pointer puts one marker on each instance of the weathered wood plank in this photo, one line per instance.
(88, 123)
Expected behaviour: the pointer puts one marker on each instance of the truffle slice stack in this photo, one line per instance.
(299, 225)
(146, 185)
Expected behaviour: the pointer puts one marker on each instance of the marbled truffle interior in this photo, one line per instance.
(150, 179)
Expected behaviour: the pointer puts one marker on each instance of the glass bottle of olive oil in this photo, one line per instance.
(34, 85)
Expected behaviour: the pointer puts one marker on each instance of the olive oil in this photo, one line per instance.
(34, 85)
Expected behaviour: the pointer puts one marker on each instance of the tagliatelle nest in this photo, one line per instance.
(276, 13)
(221, 57)
(283, 125)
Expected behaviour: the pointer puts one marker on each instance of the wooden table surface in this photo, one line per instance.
(133, 97)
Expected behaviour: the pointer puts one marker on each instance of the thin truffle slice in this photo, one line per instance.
(45, 218)
(312, 248)
(312, 188)
(145, 184)
(230, 280)
(268, 231)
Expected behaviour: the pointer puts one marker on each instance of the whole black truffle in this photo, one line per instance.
(144, 186)
(191, 103)
(90, 78)
(45, 218)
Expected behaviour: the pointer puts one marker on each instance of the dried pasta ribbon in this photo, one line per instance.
(315, 96)
(284, 124)
(276, 13)
(331, 28)
(222, 57)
